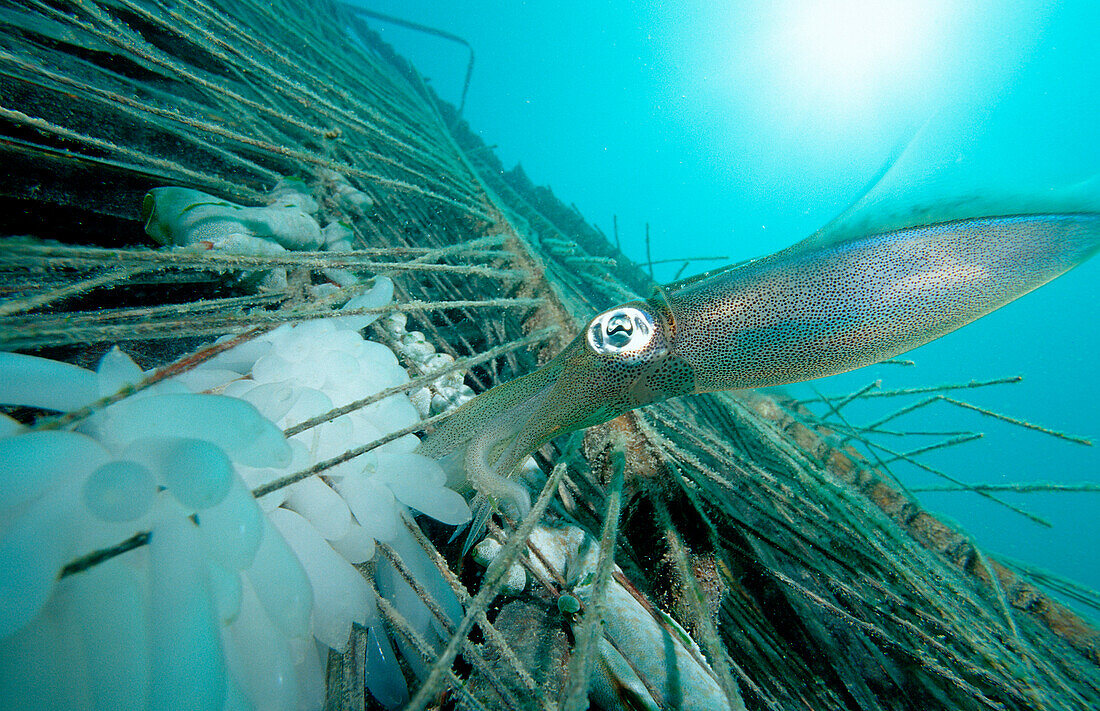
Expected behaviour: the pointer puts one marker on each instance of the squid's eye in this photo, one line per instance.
(623, 329)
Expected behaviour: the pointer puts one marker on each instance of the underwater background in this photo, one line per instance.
(735, 129)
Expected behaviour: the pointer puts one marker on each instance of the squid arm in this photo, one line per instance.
(815, 309)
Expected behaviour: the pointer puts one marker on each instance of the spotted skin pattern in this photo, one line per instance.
(812, 310)
(799, 315)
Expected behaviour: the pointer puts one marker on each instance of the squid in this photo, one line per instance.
(821, 307)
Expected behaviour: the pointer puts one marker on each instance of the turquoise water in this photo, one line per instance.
(736, 129)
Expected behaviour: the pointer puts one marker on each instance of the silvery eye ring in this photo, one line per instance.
(624, 329)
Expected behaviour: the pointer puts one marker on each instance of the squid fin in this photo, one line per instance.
(937, 176)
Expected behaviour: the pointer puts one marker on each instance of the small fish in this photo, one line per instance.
(818, 308)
